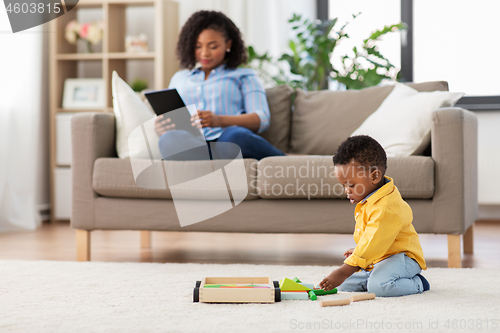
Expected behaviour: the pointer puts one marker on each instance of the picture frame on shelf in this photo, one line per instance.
(87, 94)
(136, 43)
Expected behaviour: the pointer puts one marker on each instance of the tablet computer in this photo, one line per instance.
(168, 100)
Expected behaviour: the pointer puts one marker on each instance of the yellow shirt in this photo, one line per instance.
(384, 228)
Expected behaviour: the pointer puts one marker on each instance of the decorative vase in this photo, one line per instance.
(86, 46)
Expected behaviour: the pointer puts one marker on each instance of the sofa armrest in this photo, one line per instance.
(454, 150)
(93, 136)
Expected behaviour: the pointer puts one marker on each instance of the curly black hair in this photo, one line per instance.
(205, 19)
(362, 149)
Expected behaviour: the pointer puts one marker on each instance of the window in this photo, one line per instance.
(373, 17)
(451, 40)
(457, 41)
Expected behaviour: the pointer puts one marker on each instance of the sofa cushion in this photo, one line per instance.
(323, 119)
(280, 107)
(402, 124)
(114, 177)
(134, 123)
(312, 177)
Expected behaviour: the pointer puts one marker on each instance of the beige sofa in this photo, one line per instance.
(440, 185)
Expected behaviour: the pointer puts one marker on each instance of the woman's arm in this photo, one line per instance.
(256, 116)
(210, 119)
(255, 100)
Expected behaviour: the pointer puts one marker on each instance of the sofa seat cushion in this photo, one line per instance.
(114, 177)
(312, 177)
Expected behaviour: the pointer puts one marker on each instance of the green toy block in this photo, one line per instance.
(319, 292)
(294, 295)
(312, 295)
(297, 280)
(307, 285)
(289, 285)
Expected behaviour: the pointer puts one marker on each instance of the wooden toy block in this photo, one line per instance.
(362, 297)
(294, 295)
(289, 285)
(237, 290)
(345, 301)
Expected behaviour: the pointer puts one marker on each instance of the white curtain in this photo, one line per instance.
(263, 23)
(20, 109)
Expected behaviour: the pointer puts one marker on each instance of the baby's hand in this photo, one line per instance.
(348, 252)
(325, 284)
(331, 281)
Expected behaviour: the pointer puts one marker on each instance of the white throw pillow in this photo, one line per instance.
(133, 117)
(402, 123)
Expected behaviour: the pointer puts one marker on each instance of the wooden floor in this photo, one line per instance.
(57, 242)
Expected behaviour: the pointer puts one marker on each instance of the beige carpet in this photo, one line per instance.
(45, 296)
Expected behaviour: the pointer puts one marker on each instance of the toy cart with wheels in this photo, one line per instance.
(237, 290)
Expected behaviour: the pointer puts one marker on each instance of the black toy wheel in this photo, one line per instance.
(196, 292)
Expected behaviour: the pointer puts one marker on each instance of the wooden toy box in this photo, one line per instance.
(237, 290)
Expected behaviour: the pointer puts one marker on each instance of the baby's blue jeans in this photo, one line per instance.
(393, 276)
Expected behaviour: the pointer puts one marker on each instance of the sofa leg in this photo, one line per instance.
(145, 239)
(469, 240)
(454, 253)
(82, 245)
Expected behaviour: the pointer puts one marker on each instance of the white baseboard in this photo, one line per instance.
(489, 212)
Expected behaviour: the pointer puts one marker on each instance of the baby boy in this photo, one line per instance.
(388, 258)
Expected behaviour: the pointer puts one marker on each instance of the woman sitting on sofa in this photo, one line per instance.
(231, 101)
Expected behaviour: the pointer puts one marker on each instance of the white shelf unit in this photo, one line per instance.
(66, 62)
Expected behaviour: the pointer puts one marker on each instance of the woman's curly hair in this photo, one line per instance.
(217, 21)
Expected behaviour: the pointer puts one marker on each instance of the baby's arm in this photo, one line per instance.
(337, 276)
(379, 235)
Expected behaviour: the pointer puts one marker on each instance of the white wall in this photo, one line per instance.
(263, 23)
(489, 164)
(43, 177)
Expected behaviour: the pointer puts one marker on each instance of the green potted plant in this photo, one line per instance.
(307, 64)
(139, 85)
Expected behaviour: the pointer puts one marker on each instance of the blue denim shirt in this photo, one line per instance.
(225, 92)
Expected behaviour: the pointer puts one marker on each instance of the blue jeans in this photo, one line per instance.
(393, 276)
(252, 145)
